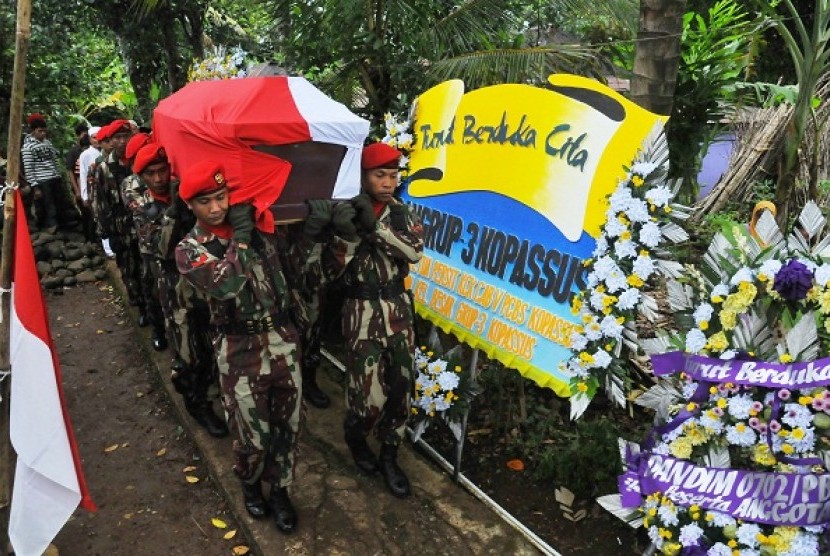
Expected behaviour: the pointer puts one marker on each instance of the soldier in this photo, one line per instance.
(257, 343)
(185, 311)
(378, 319)
(115, 221)
(133, 194)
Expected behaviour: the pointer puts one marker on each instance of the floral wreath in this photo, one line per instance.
(624, 267)
(759, 300)
(399, 135)
(444, 388)
(221, 63)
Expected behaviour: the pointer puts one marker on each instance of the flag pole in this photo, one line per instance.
(23, 32)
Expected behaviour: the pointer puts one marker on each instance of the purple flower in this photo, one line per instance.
(793, 281)
(774, 426)
(784, 394)
(757, 406)
(753, 422)
(696, 550)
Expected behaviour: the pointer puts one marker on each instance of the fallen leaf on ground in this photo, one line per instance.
(191, 479)
(218, 523)
(241, 550)
(128, 516)
(230, 534)
(161, 452)
(111, 448)
(516, 465)
(100, 332)
(189, 468)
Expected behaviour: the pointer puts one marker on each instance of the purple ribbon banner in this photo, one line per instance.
(771, 498)
(748, 373)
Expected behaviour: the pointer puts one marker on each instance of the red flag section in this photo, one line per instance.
(49, 483)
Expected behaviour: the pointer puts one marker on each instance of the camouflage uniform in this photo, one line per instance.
(115, 223)
(377, 327)
(185, 310)
(146, 215)
(257, 345)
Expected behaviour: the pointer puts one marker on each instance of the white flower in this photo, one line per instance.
(770, 268)
(741, 435)
(613, 226)
(695, 340)
(689, 389)
(437, 366)
(578, 341)
(448, 381)
(744, 274)
(638, 211)
(811, 266)
(643, 266)
(601, 248)
(654, 535)
(611, 328)
(441, 404)
(591, 281)
(601, 359)
(719, 549)
(703, 313)
(804, 544)
(823, 275)
(643, 169)
(728, 354)
(720, 519)
(659, 196)
(689, 534)
(628, 299)
(650, 234)
(748, 534)
(668, 514)
(616, 281)
(620, 200)
(721, 290)
(739, 406)
(596, 300)
(604, 266)
(796, 415)
(625, 249)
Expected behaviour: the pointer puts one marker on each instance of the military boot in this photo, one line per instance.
(311, 391)
(363, 456)
(204, 415)
(254, 501)
(395, 479)
(159, 339)
(285, 516)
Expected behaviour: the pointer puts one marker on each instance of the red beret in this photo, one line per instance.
(379, 155)
(120, 126)
(105, 132)
(150, 153)
(135, 143)
(36, 120)
(203, 177)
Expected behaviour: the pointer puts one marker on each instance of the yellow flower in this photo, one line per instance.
(586, 357)
(671, 548)
(824, 301)
(785, 358)
(762, 455)
(798, 433)
(728, 319)
(582, 387)
(704, 324)
(667, 209)
(722, 403)
(787, 449)
(635, 281)
(626, 235)
(681, 448)
(717, 342)
(637, 181)
(576, 305)
(805, 400)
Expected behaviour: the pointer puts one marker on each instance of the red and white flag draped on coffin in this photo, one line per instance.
(48, 482)
(223, 120)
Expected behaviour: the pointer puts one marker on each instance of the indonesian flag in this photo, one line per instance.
(48, 482)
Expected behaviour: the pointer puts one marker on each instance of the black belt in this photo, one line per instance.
(375, 291)
(251, 327)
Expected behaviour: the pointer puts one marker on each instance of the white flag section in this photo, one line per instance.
(48, 484)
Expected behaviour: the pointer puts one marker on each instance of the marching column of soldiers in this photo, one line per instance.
(238, 304)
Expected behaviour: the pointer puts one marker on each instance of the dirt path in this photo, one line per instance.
(133, 447)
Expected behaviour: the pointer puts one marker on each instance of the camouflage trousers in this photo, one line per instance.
(261, 391)
(311, 333)
(187, 317)
(128, 260)
(379, 385)
(150, 291)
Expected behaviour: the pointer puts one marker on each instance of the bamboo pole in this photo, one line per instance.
(23, 32)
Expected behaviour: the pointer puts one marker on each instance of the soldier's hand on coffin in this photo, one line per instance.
(343, 215)
(366, 219)
(397, 216)
(319, 215)
(241, 219)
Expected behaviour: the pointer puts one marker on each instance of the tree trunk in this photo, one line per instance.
(657, 54)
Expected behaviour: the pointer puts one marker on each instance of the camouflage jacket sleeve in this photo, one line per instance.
(335, 256)
(220, 278)
(99, 201)
(407, 245)
(147, 217)
(133, 192)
